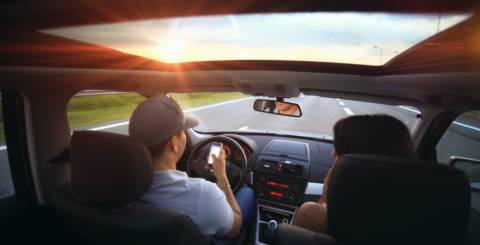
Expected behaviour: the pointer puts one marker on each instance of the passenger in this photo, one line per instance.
(366, 134)
(160, 124)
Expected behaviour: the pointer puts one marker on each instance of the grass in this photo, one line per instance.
(92, 110)
(84, 111)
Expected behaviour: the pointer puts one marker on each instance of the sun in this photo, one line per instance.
(172, 51)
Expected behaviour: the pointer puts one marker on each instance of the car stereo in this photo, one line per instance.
(277, 189)
(282, 171)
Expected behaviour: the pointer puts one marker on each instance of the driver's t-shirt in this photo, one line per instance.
(202, 200)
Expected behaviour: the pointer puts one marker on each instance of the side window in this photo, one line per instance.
(102, 110)
(462, 140)
(6, 183)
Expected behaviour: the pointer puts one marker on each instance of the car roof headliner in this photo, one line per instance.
(43, 14)
(454, 50)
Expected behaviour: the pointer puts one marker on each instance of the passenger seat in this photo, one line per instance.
(386, 200)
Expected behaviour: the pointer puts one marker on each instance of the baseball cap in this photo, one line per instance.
(157, 119)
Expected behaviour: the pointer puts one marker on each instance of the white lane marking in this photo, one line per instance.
(348, 111)
(341, 103)
(409, 109)
(110, 126)
(4, 147)
(467, 126)
(243, 128)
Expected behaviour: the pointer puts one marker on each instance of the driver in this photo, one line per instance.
(160, 124)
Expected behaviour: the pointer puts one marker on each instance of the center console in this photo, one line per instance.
(280, 178)
(271, 214)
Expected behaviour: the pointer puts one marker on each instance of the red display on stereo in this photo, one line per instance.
(277, 194)
(273, 183)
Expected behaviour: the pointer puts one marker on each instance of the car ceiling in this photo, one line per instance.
(42, 14)
(412, 75)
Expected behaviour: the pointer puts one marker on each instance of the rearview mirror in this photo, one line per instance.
(277, 107)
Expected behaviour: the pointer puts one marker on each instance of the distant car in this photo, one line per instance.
(267, 81)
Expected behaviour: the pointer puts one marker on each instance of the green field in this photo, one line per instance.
(84, 111)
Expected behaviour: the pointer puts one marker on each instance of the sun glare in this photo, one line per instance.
(171, 51)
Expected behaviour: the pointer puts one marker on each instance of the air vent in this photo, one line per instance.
(287, 149)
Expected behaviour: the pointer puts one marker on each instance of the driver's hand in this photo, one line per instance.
(219, 166)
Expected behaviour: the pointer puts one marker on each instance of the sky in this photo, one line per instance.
(357, 38)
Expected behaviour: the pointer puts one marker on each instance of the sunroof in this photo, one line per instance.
(356, 38)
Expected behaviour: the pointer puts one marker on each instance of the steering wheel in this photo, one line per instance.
(236, 170)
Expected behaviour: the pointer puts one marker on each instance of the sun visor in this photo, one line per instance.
(269, 88)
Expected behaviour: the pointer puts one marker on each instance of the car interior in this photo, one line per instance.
(80, 186)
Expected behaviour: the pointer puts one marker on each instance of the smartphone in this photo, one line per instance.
(215, 149)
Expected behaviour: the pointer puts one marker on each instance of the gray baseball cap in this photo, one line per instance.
(157, 119)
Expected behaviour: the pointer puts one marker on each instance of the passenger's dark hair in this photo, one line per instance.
(372, 134)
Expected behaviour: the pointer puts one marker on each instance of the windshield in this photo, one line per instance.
(355, 38)
(319, 116)
(228, 112)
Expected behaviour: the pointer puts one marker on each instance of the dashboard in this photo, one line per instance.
(282, 169)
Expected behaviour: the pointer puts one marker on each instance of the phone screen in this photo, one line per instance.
(215, 149)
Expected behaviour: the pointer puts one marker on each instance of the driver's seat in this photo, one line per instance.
(109, 173)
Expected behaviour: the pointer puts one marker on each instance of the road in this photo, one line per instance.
(319, 115)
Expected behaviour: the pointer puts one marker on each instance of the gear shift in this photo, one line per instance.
(271, 228)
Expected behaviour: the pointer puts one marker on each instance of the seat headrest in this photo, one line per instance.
(108, 169)
(387, 200)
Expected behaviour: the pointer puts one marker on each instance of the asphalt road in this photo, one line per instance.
(319, 115)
